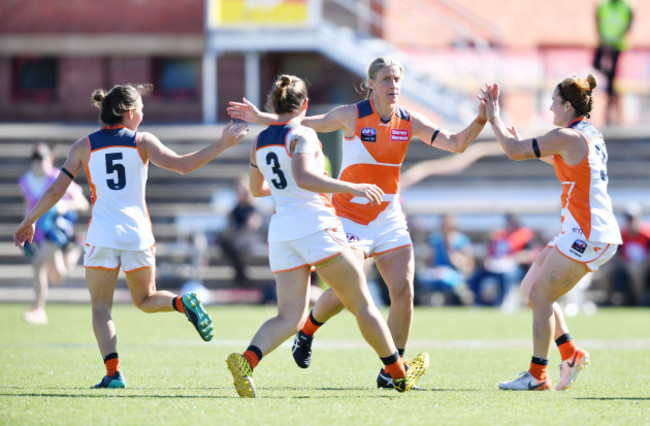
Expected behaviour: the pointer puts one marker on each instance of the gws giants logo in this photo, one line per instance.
(369, 134)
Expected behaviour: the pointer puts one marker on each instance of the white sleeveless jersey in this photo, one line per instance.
(298, 212)
(117, 176)
(585, 202)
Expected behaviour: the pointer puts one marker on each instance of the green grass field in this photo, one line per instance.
(175, 378)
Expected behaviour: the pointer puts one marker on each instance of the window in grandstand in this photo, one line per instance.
(35, 79)
(176, 78)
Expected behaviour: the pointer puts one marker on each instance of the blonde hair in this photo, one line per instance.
(373, 69)
(287, 94)
(116, 102)
(579, 93)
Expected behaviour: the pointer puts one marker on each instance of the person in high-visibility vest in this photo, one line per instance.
(613, 19)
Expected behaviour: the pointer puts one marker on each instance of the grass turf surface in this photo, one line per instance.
(174, 377)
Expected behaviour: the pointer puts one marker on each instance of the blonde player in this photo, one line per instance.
(116, 160)
(287, 162)
(377, 134)
(589, 233)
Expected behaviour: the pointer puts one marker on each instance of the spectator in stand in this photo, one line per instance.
(510, 252)
(633, 263)
(613, 19)
(451, 262)
(241, 236)
(53, 253)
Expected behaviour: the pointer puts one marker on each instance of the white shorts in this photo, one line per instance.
(575, 246)
(374, 239)
(306, 251)
(108, 258)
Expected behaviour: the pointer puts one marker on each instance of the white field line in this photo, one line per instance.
(446, 344)
(326, 344)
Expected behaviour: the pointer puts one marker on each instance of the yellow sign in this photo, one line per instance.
(258, 13)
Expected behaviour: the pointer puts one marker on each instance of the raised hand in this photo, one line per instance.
(233, 133)
(482, 111)
(490, 95)
(244, 110)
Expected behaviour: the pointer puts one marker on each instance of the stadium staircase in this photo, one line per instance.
(344, 35)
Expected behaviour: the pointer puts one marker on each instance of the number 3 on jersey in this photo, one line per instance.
(119, 180)
(272, 160)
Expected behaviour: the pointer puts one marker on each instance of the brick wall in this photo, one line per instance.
(94, 16)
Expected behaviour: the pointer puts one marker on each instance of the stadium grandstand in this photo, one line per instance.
(200, 55)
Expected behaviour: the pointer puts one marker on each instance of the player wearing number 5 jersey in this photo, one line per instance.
(113, 152)
(287, 162)
(589, 234)
(116, 159)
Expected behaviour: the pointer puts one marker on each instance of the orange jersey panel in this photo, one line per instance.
(387, 142)
(373, 155)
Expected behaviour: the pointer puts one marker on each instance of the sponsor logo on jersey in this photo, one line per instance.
(579, 246)
(369, 134)
(399, 135)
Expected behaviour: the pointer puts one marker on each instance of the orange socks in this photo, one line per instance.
(396, 369)
(311, 325)
(177, 304)
(538, 368)
(566, 346)
(253, 355)
(112, 363)
(394, 366)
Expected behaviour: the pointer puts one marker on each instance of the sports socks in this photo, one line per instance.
(311, 325)
(112, 363)
(400, 352)
(566, 346)
(394, 365)
(253, 355)
(538, 368)
(177, 304)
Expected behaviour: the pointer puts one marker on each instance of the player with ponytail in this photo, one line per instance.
(589, 232)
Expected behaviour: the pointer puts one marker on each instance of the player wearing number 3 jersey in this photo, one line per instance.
(589, 234)
(377, 134)
(287, 162)
(116, 159)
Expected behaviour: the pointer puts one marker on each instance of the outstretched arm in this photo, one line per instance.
(166, 158)
(445, 140)
(557, 141)
(245, 110)
(340, 118)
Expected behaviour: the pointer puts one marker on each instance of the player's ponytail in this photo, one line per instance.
(579, 93)
(287, 94)
(120, 99)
